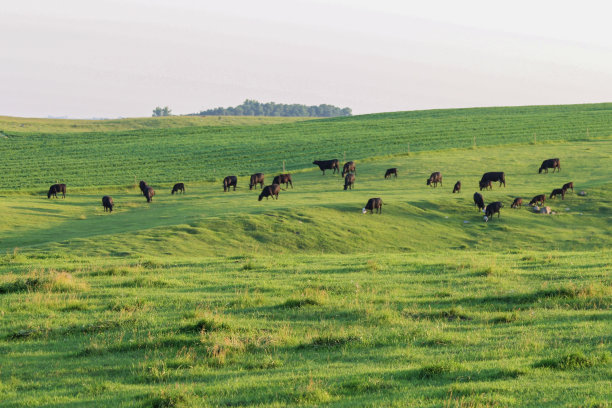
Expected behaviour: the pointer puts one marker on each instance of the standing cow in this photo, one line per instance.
(391, 172)
(283, 179)
(349, 167)
(228, 182)
(518, 202)
(373, 204)
(143, 187)
(328, 165)
(556, 192)
(479, 201)
(270, 191)
(554, 164)
(107, 203)
(567, 186)
(57, 188)
(493, 176)
(434, 179)
(541, 198)
(349, 181)
(149, 193)
(257, 178)
(457, 188)
(493, 208)
(178, 187)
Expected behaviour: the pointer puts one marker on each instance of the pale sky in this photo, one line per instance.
(107, 58)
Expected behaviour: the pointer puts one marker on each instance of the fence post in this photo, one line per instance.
(283, 166)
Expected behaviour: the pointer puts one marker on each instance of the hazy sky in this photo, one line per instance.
(105, 58)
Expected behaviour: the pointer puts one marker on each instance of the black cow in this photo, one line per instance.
(550, 164)
(228, 182)
(493, 208)
(493, 176)
(257, 178)
(391, 172)
(57, 188)
(556, 192)
(107, 203)
(178, 187)
(283, 179)
(373, 204)
(567, 186)
(434, 179)
(270, 191)
(518, 202)
(457, 188)
(143, 187)
(349, 167)
(349, 181)
(485, 184)
(328, 165)
(478, 200)
(538, 199)
(149, 193)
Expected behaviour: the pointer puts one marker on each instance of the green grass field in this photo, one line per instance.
(217, 299)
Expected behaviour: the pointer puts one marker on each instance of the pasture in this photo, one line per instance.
(217, 299)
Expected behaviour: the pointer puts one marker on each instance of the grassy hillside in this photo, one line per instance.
(34, 160)
(217, 299)
(10, 124)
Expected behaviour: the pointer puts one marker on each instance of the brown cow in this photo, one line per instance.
(554, 164)
(538, 199)
(149, 193)
(228, 182)
(567, 186)
(57, 188)
(107, 203)
(518, 202)
(257, 178)
(270, 191)
(485, 184)
(373, 204)
(434, 179)
(457, 188)
(283, 179)
(556, 192)
(391, 172)
(349, 167)
(349, 181)
(178, 187)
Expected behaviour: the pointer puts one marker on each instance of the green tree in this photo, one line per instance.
(159, 111)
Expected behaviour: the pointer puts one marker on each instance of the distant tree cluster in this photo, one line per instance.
(254, 108)
(159, 111)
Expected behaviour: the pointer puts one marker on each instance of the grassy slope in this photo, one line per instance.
(217, 299)
(33, 160)
(10, 124)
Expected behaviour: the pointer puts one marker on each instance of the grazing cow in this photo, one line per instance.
(391, 172)
(550, 164)
(538, 199)
(373, 204)
(143, 187)
(493, 176)
(349, 167)
(485, 184)
(149, 193)
(567, 186)
(518, 202)
(457, 188)
(257, 178)
(107, 203)
(478, 200)
(283, 179)
(556, 192)
(270, 191)
(178, 187)
(228, 182)
(493, 208)
(57, 188)
(434, 179)
(349, 181)
(328, 165)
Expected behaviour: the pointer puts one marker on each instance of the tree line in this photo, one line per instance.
(254, 108)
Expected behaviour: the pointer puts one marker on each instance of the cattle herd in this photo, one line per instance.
(348, 172)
